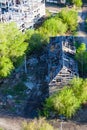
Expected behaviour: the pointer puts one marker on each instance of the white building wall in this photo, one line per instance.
(28, 13)
(42, 10)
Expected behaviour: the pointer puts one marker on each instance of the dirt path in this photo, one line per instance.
(11, 123)
(16, 124)
(69, 125)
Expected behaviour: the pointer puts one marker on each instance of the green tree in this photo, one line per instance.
(70, 18)
(64, 103)
(36, 41)
(84, 92)
(77, 3)
(12, 47)
(79, 87)
(60, 24)
(6, 66)
(81, 57)
(76, 85)
(68, 100)
(54, 26)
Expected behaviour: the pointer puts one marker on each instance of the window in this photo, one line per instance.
(58, 80)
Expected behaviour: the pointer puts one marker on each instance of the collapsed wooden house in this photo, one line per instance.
(62, 66)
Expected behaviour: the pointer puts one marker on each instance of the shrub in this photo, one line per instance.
(12, 48)
(64, 103)
(76, 86)
(52, 27)
(67, 101)
(81, 57)
(84, 92)
(77, 3)
(36, 40)
(70, 18)
(79, 87)
(40, 124)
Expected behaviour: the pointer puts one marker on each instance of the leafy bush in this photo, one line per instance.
(59, 24)
(12, 47)
(40, 124)
(67, 101)
(36, 40)
(70, 18)
(77, 3)
(81, 57)
(79, 88)
(52, 27)
(84, 92)
(76, 85)
(63, 102)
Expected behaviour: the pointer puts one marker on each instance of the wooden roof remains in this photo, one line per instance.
(61, 60)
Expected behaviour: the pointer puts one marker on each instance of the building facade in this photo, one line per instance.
(25, 12)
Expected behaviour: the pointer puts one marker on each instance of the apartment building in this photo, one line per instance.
(25, 12)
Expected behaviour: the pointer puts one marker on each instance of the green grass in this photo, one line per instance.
(40, 124)
(1, 129)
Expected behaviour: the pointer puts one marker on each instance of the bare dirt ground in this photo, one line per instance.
(10, 123)
(68, 125)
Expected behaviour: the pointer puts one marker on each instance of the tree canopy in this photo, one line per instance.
(54, 26)
(12, 47)
(77, 3)
(81, 56)
(36, 40)
(68, 100)
(63, 22)
(70, 18)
